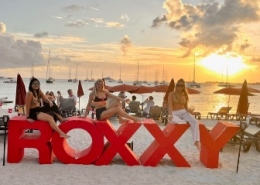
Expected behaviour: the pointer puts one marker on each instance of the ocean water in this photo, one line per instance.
(204, 102)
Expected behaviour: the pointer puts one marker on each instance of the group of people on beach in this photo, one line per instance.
(177, 107)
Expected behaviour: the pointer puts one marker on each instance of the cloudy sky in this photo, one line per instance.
(164, 36)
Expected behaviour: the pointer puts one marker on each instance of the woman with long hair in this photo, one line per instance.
(179, 112)
(98, 99)
(49, 112)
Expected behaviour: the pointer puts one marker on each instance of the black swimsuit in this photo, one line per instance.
(46, 109)
(99, 110)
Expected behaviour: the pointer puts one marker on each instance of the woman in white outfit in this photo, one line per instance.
(179, 112)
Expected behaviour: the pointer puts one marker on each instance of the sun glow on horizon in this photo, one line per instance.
(223, 64)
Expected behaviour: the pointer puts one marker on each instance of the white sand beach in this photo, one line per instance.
(28, 171)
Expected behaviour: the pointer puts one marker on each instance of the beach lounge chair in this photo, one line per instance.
(134, 107)
(155, 112)
(246, 141)
(222, 113)
(238, 116)
(255, 119)
(2, 125)
(67, 107)
(253, 134)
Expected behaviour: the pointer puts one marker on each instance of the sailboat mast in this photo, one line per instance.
(120, 72)
(48, 66)
(227, 74)
(194, 69)
(32, 71)
(137, 72)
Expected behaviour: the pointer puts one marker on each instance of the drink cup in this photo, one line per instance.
(10, 110)
(192, 108)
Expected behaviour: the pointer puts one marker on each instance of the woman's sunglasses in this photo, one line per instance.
(179, 85)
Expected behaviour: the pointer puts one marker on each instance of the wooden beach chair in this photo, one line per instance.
(134, 107)
(253, 134)
(255, 119)
(222, 113)
(238, 116)
(246, 141)
(155, 112)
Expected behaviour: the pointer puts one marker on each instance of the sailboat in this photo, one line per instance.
(32, 72)
(225, 84)
(49, 79)
(75, 80)
(69, 78)
(120, 81)
(163, 82)
(91, 79)
(156, 77)
(137, 82)
(193, 83)
(86, 80)
(144, 82)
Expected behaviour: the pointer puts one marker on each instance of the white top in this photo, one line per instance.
(73, 97)
(149, 104)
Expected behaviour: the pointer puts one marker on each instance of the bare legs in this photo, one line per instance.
(117, 103)
(121, 113)
(197, 144)
(45, 117)
(61, 119)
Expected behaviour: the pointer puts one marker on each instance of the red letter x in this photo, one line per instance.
(163, 143)
(117, 142)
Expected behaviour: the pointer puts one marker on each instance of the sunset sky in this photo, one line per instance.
(222, 36)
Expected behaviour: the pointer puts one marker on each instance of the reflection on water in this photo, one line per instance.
(204, 102)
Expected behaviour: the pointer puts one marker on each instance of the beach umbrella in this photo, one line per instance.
(161, 88)
(80, 91)
(20, 92)
(123, 87)
(143, 89)
(231, 91)
(242, 107)
(169, 89)
(252, 90)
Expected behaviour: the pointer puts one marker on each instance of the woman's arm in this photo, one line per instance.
(113, 96)
(45, 99)
(28, 100)
(90, 100)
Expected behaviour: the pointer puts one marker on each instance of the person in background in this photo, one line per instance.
(52, 96)
(59, 97)
(123, 96)
(49, 112)
(72, 96)
(98, 98)
(133, 98)
(149, 103)
(179, 112)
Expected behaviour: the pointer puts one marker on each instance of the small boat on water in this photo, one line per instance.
(193, 84)
(49, 79)
(9, 81)
(4, 100)
(225, 84)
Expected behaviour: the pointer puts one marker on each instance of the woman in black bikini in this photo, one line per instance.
(49, 112)
(98, 97)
